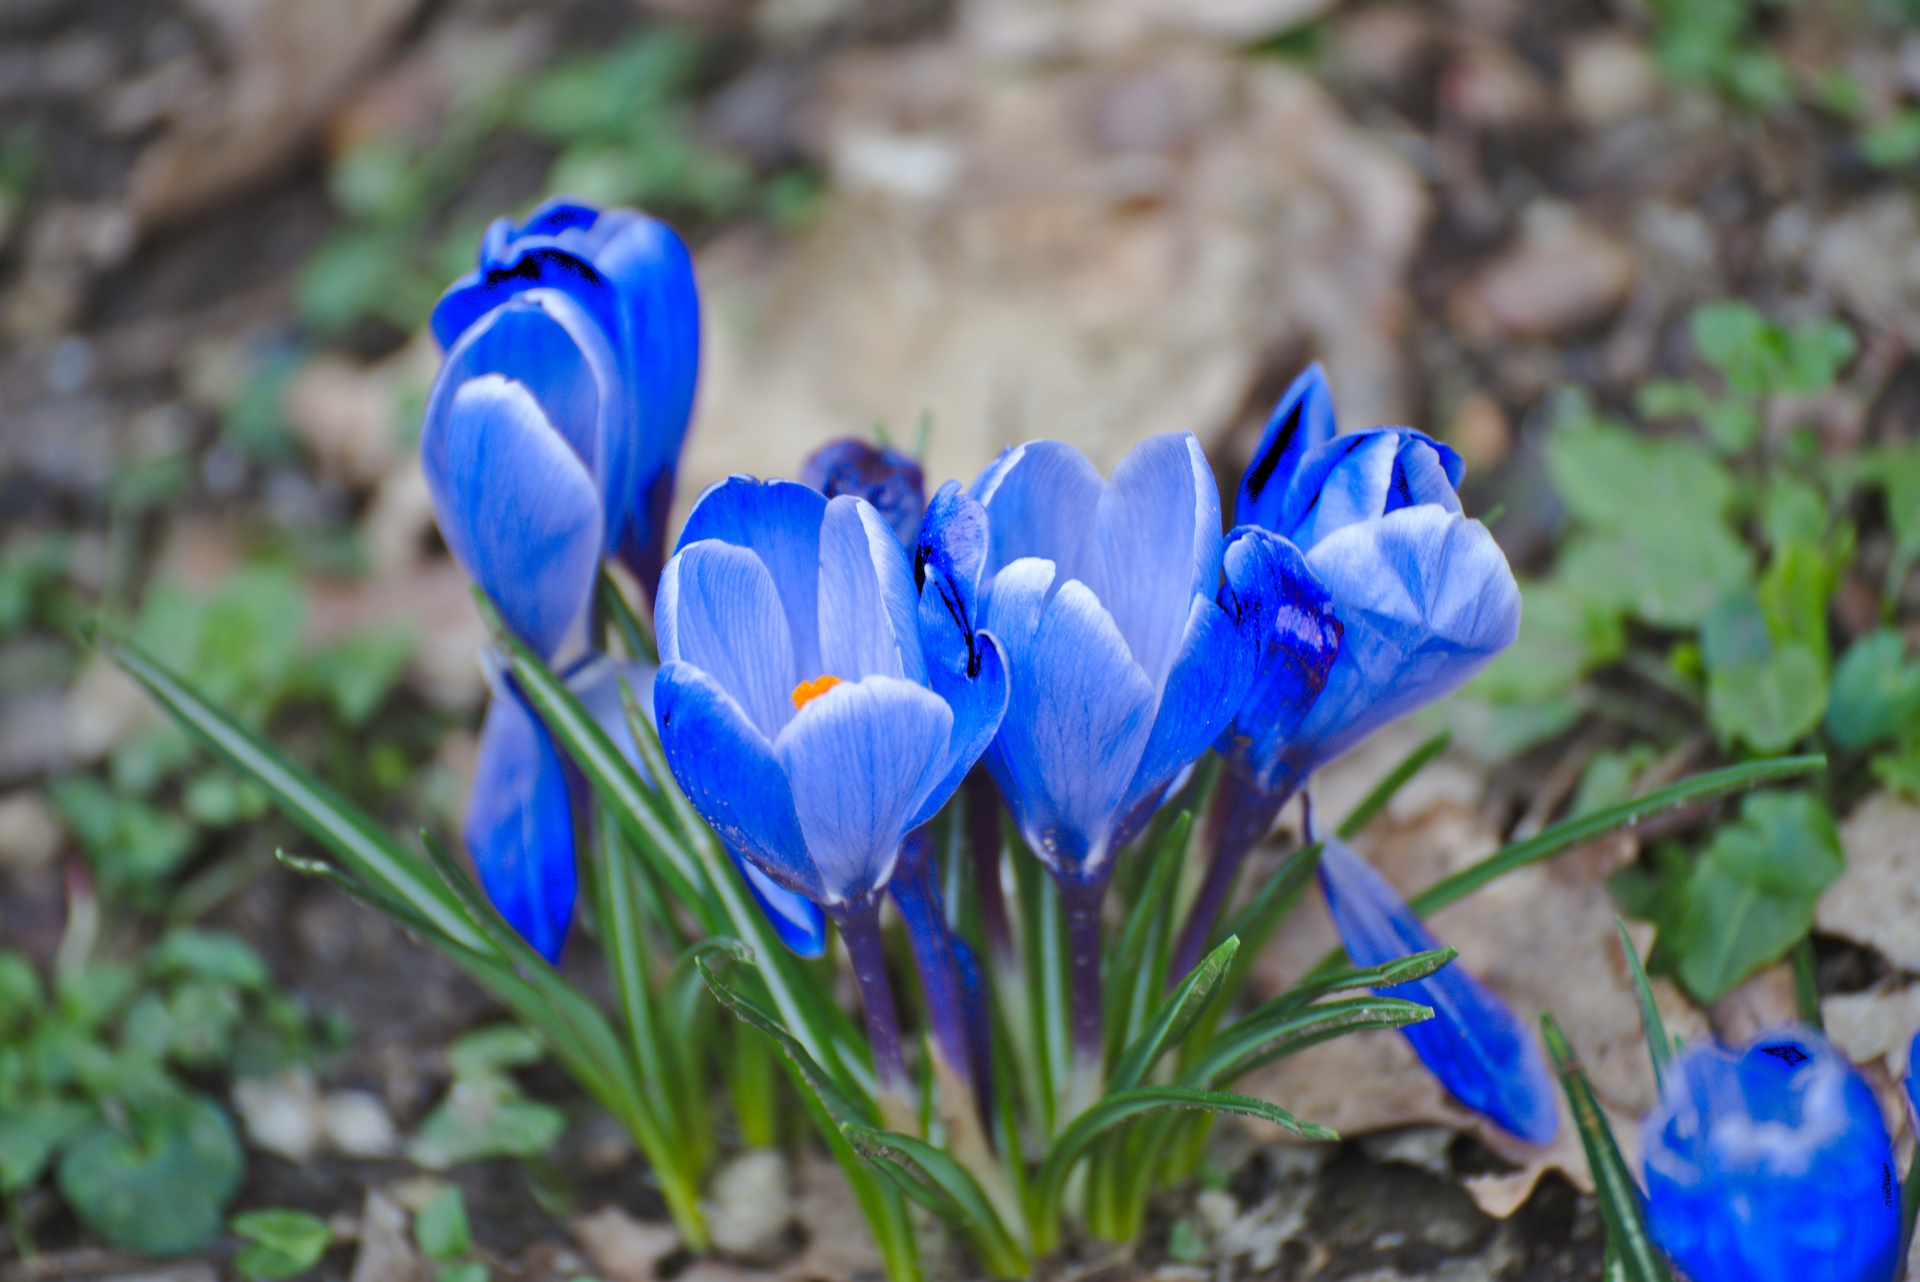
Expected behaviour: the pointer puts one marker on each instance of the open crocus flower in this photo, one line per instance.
(1422, 595)
(813, 707)
(631, 279)
(1474, 1044)
(1771, 1164)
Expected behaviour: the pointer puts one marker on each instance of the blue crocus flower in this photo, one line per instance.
(1772, 1164)
(632, 278)
(1480, 1052)
(881, 475)
(818, 701)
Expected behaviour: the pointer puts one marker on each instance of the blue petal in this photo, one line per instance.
(1277, 601)
(1366, 475)
(660, 307)
(1425, 599)
(1302, 420)
(779, 521)
(719, 611)
(1156, 546)
(597, 686)
(868, 613)
(517, 508)
(1772, 1165)
(728, 771)
(1040, 498)
(964, 668)
(860, 759)
(798, 921)
(1208, 682)
(519, 827)
(1077, 721)
(953, 540)
(884, 477)
(538, 263)
(1480, 1052)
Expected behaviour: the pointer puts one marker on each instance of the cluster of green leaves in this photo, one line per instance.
(485, 1114)
(1694, 585)
(32, 586)
(441, 1231)
(1718, 44)
(622, 124)
(90, 1085)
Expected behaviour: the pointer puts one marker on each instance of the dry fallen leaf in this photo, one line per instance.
(1876, 901)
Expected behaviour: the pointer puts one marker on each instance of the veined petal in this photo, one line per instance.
(1040, 499)
(729, 772)
(1480, 1052)
(1424, 471)
(1302, 420)
(860, 759)
(535, 263)
(718, 610)
(519, 826)
(953, 539)
(798, 921)
(1290, 615)
(884, 477)
(1156, 545)
(1077, 721)
(1208, 682)
(1366, 475)
(1425, 599)
(517, 508)
(868, 613)
(972, 677)
(779, 522)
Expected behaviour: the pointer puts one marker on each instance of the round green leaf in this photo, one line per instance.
(283, 1243)
(161, 1191)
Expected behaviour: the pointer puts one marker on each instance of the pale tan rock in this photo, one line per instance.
(1487, 85)
(1563, 275)
(103, 707)
(1017, 31)
(1869, 259)
(1760, 1002)
(622, 1248)
(1876, 1025)
(1480, 432)
(30, 832)
(282, 1114)
(1610, 77)
(1876, 901)
(750, 1207)
(386, 1247)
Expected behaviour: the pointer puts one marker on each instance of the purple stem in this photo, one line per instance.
(917, 895)
(983, 839)
(1081, 898)
(859, 922)
(1241, 814)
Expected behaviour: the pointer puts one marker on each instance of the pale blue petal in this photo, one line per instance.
(860, 758)
(1302, 420)
(597, 686)
(1040, 500)
(799, 922)
(1156, 546)
(1475, 1046)
(1365, 475)
(1425, 599)
(729, 773)
(519, 826)
(1077, 719)
(779, 521)
(718, 610)
(868, 611)
(517, 508)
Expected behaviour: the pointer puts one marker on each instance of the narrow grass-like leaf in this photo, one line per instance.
(343, 881)
(1659, 1045)
(1051, 1181)
(1133, 974)
(813, 1078)
(619, 611)
(1620, 1205)
(376, 861)
(1253, 1042)
(1401, 970)
(1573, 832)
(623, 942)
(1383, 792)
(1253, 925)
(956, 1193)
(1175, 1017)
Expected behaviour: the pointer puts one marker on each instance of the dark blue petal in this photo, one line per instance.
(719, 611)
(540, 263)
(779, 522)
(1208, 682)
(516, 506)
(798, 921)
(882, 476)
(519, 827)
(1772, 1165)
(1078, 716)
(1480, 1052)
(729, 773)
(1426, 600)
(860, 759)
(1277, 601)
(1302, 420)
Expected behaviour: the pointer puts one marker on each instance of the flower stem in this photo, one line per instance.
(918, 898)
(983, 841)
(1239, 817)
(1081, 897)
(859, 922)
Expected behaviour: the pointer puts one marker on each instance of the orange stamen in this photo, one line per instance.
(807, 691)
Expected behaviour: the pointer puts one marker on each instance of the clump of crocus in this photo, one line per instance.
(1771, 1164)
(549, 443)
